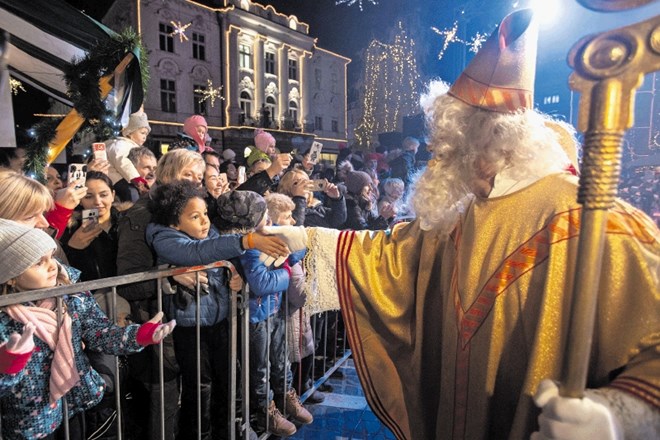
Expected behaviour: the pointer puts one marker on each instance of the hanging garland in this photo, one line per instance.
(82, 80)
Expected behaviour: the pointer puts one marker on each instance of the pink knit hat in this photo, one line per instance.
(189, 128)
(263, 140)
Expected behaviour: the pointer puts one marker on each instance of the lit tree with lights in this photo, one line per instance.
(391, 87)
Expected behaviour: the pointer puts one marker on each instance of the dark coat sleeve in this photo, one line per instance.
(259, 183)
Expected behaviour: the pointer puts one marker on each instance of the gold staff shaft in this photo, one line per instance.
(609, 67)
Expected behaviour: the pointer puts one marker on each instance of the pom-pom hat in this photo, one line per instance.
(240, 210)
(500, 77)
(21, 248)
(263, 140)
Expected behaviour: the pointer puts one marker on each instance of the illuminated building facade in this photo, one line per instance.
(271, 73)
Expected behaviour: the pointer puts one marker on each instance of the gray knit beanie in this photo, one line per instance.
(21, 248)
(136, 121)
(356, 180)
(240, 210)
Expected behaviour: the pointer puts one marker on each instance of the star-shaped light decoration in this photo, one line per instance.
(477, 41)
(210, 92)
(451, 36)
(352, 2)
(180, 30)
(16, 86)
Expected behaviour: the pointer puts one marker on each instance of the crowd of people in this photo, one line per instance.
(190, 207)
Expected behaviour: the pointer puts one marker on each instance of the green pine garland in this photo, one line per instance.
(37, 150)
(82, 79)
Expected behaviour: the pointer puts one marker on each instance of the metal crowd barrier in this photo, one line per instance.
(334, 350)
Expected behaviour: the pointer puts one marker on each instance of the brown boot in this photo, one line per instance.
(296, 409)
(277, 424)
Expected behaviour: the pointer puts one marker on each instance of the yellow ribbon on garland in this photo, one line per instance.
(74, 120)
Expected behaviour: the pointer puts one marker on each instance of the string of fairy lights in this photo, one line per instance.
(391, 87)
(353, 2)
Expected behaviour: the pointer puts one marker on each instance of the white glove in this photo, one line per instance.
(268, 260)
(295, 237)
(570, 418)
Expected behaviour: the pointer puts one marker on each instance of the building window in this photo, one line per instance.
(335, 126)
(167, 95)
(270, 105)
(270, 63)
(293, 111)
(245, 56)
(293, 70)
(246, 104)
(318, 123)
(199, 46)
(165, 38)
(199, 103)
(318, 78)
(334, 81)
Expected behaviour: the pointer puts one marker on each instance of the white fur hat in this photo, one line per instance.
(21, 248)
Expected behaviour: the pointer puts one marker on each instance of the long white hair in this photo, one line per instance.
(468, 143)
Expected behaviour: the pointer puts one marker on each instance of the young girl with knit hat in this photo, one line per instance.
(133, 136)
(42, 362)
(264, 141)
(195, 130)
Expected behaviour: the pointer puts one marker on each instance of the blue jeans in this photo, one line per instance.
(267, 343)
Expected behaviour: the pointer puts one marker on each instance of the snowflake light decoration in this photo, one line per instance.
(477, 41)
(180, 30)
(451, 36)
(211, 93)
(16, 86)
(352, 2)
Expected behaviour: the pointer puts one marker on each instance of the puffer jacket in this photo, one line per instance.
(299, 329)
(24, 396)
(267, 285)
(179, 249)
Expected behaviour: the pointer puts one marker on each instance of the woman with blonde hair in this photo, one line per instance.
(309, 211)
(28, 202)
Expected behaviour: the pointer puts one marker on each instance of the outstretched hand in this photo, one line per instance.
(16, 352)
(152, 331)
(572, 418)
(269, 244)
(24, 343)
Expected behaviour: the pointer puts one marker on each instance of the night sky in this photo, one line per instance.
(347, 30)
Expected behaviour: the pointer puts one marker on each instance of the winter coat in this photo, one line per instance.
(99, 259)
(330, 214)
(24, 396)
(359, 217)
(267, 285)
(121, 166)
(299, 330)
(403, 167)
(179, 249)
(259, 183)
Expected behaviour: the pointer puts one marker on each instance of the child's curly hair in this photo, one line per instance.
(168, 201)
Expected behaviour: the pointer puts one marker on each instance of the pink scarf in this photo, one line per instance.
(63, 372)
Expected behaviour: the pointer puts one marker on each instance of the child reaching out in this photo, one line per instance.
(182, 235)
(246, 212)
(42, 364)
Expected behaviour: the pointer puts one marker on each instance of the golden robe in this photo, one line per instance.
(452, 335)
